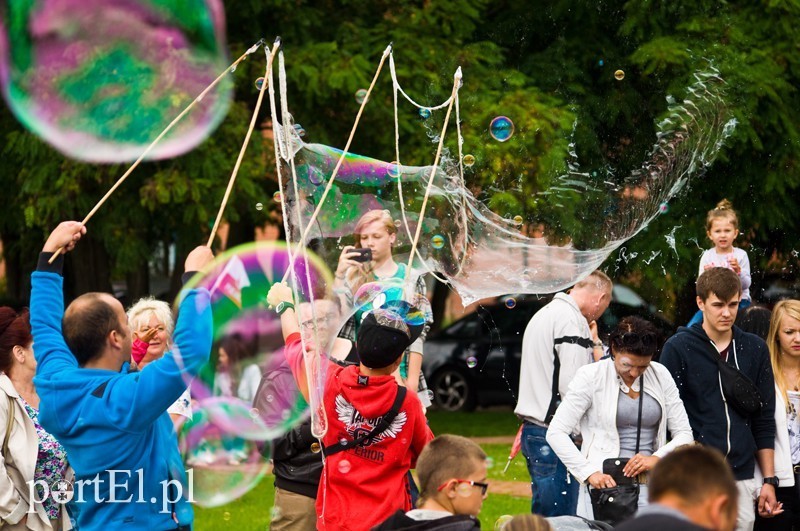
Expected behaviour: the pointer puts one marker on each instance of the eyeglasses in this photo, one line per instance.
(483, 486)
(328, 318)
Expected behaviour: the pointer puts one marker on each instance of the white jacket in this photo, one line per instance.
(560, 318)
(19, 466)
(592, 403)
(783, 453)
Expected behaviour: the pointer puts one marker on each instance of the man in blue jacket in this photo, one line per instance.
(113, 423)
(691, 356)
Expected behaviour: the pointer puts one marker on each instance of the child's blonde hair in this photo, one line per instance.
(444, 458)
(528, 522)
(723, 210)
(358, 276)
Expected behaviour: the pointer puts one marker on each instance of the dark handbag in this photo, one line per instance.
(737, 389)
(613, 505)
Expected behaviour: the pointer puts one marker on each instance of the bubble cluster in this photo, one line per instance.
(361, 95)
(100, 82)
(501, 128)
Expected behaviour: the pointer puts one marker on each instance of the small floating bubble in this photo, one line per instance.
(501, 128)
(472, 362)
(437, 242)
(518, 220)
(619, 75)
(424, 113)
(259, 206)
(511, 303)
(663, 208)
(469, 160)
(259, 83)
(277, 197)
(361, 96)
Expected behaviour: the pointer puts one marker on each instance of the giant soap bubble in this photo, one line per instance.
(246, 395)
(100, 79)
(478, 252)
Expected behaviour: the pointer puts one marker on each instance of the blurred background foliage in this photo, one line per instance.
(548, 66)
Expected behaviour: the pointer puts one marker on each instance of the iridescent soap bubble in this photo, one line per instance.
(502, 522)
(437, 242)
(259, 83)
(361, 96)
(518, 220)
(393, 169)
(469, 161)
(619, 75)
(221, 442)
(259, 206)
(501, 128)
(99, 81)
(224, 465)
(424, 113)
(472, 362)
(663, 207)
(510, 303)
(277, 197)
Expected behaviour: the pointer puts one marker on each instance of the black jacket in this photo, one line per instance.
(713, 422)
(296, 467)
(458, 522)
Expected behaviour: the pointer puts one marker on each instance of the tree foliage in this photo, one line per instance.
(549, 67)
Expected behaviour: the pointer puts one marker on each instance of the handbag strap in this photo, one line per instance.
(379, 428)
(639, 420)
(9, 426)
(555, 394)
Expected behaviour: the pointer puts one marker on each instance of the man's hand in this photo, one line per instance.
(198, 259)
(64, 237)
(768, 505)
(278, 293)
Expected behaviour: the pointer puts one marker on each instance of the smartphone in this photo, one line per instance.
(364, 255)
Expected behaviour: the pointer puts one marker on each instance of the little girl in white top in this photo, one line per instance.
(722, 227)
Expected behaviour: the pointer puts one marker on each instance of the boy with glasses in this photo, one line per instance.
(452, 476)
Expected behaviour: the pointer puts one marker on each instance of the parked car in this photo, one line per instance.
(475, 361)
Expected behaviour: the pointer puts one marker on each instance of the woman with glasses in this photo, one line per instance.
(604, 400)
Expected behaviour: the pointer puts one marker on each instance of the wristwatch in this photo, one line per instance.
(774, 481)
(283, 306)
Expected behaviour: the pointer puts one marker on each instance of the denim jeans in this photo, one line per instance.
(554, 491)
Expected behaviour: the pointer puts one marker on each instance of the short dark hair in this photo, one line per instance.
(15, 330)
(755, 320)
(692, 473)
(86, 325)
(720, 281)
(634, 335)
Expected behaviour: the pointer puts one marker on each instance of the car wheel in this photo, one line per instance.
(452, 391)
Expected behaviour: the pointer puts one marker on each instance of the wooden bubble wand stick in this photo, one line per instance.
(159, 137)
(246, 141)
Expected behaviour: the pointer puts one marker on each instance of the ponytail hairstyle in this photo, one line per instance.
(15, 330)
(724, 210)
(358, 276)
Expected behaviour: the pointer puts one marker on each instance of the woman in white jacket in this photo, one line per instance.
(28, 453)
(783, 340)
(603, 402)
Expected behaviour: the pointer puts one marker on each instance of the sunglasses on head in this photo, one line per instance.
(632, 339)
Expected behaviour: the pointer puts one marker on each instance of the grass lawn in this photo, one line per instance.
(252, 511)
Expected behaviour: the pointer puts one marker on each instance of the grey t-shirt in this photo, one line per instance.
(627, 416)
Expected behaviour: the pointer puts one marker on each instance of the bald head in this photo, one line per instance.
(88, 323)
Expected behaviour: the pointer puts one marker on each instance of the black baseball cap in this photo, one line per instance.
(385, 333)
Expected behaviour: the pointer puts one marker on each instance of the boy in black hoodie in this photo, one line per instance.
(690, 355)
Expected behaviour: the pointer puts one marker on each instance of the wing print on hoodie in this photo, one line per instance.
(395, 427)
(344, 410)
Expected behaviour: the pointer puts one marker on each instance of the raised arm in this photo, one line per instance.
(47, 303)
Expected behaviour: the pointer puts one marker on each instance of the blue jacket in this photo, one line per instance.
(713, 422)
(114, 425)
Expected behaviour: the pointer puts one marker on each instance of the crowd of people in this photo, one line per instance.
(707, 437)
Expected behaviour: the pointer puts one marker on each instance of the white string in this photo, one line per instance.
(406, 96)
